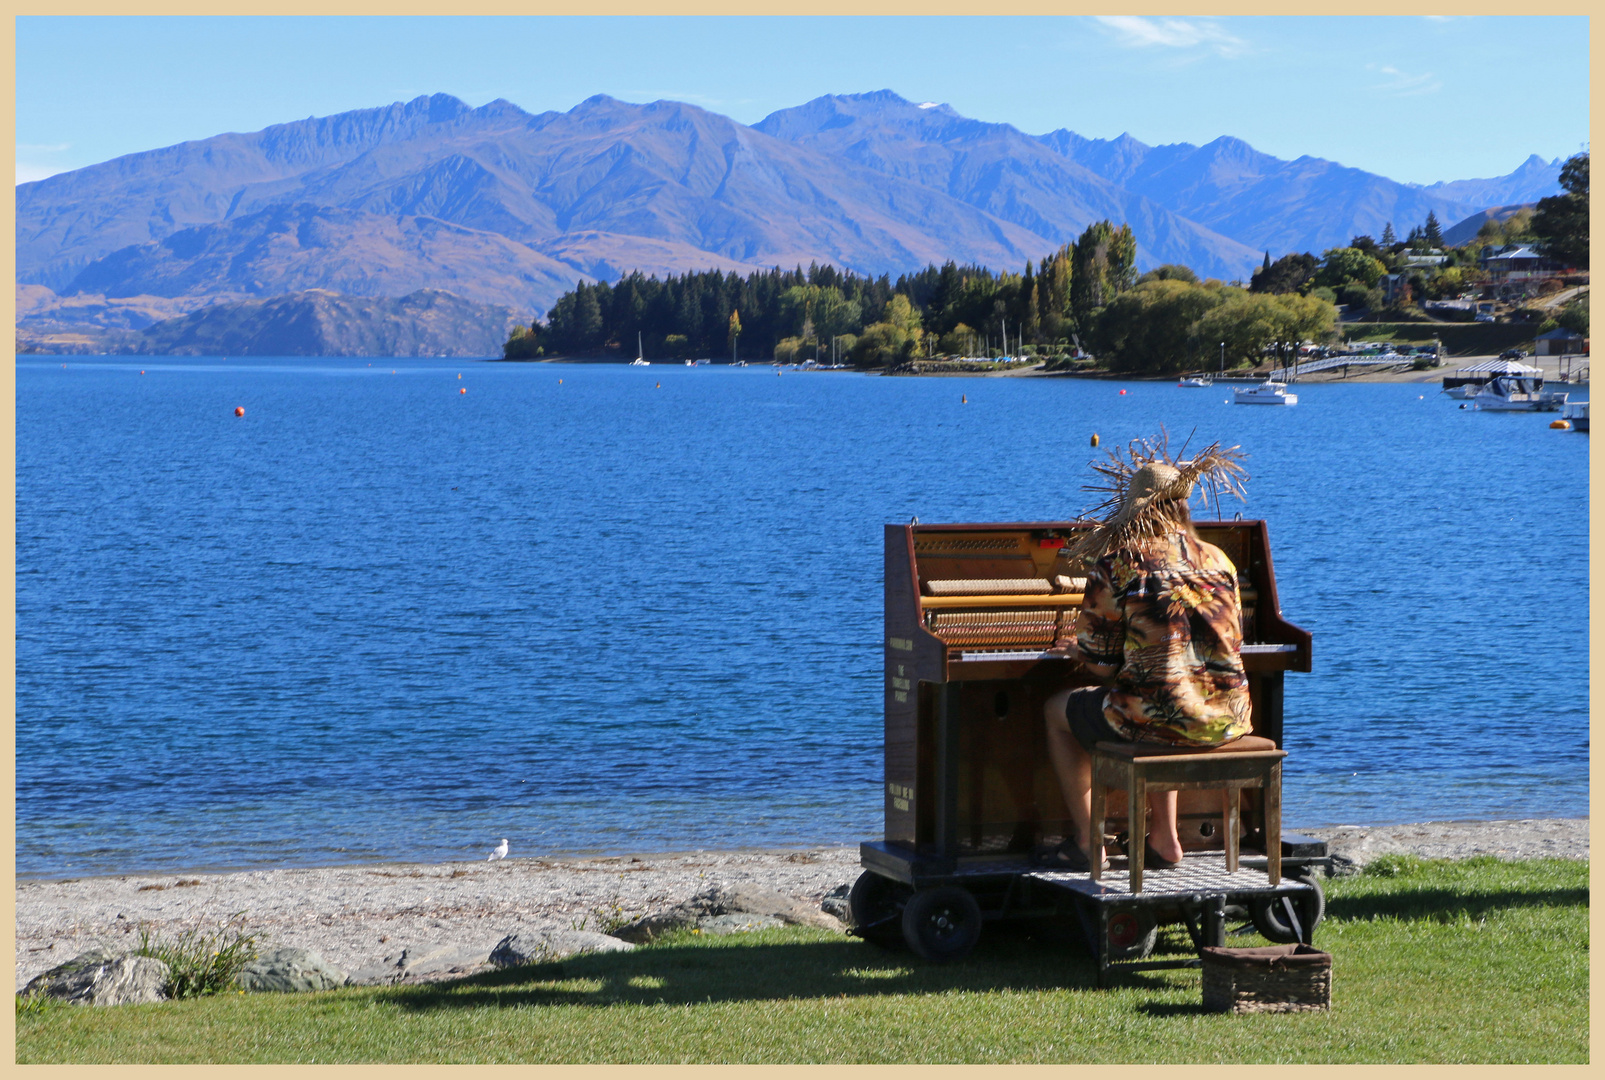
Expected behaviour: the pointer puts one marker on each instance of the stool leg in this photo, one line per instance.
(1100, 812)
(1231, 821)
(1137, 821)
(1273, 822)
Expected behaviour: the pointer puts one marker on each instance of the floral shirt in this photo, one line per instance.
(1167, 616)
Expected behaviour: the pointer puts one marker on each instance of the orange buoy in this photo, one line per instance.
(462, 389)
(239, 410)
(559, 382)
(459, 374)
(1560, 425)
(1094, 440)
(142, 373)
(964, 399)
(660, 386)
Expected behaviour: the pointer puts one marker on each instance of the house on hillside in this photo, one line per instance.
(1559, 342)
(1515, 262)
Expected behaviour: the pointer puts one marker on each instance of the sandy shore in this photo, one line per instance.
(362, 918)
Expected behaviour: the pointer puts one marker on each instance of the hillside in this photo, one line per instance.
(510, 209)
(428, 322)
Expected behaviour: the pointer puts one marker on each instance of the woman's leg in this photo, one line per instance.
(1073, 766)
(1162, 825)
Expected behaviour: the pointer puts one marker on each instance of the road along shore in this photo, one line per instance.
(369, 920)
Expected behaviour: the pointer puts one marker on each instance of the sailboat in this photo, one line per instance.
(640, 359)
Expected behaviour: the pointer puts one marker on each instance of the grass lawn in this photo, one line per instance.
(1473, 961)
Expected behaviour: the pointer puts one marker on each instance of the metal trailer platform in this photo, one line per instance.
(1118, 927)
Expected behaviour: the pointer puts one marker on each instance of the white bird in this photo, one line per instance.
(498, 852)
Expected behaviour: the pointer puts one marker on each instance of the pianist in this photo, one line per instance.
(1161, 628)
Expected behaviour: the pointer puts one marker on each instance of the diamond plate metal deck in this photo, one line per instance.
(1201, 873)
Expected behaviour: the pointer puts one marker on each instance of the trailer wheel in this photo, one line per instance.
(876, 904)
(1271, 920)
(1132, 934)
(942, 924)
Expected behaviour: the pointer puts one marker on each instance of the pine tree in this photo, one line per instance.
(1388, 237)
(1433, 234)
(1266, 265)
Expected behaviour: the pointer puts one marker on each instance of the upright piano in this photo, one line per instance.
(972, 612)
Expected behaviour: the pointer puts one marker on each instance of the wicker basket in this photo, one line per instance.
(1275, 978)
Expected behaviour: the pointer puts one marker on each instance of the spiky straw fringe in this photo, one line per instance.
(1214, 471)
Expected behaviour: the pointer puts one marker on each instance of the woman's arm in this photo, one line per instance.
(1101, 625)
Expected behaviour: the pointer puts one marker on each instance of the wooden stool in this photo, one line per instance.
(1139, 768)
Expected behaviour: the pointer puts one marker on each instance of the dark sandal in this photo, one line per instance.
(1067, 856)
(1152, 860)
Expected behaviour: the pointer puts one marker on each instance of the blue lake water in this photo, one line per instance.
(639, 609)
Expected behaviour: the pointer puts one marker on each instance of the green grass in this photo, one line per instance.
(1475, 961)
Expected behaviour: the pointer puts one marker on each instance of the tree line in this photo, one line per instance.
(824, 312)
(1086, 295)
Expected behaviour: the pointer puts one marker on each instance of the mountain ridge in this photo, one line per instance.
(508, 208)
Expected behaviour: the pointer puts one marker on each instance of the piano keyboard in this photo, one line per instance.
(1040, 654)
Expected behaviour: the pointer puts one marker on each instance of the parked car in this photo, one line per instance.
(1513, 354)
(1483, 316)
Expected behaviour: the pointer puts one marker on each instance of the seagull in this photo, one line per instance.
(498, 852)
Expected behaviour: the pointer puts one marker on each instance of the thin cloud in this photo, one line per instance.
(42, 148)
(1139, 32)
(27, 173)
(1406, 84)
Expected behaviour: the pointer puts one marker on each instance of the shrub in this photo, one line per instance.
(200, 963)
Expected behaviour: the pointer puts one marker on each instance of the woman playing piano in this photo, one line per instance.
(1160, 627)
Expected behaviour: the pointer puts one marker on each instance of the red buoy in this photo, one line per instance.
(462, 390)
(239, 410)
(1122, 391)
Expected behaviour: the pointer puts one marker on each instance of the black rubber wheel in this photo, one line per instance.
(1132, 934)
(1270, 919)
(876, 905)
(942, 925)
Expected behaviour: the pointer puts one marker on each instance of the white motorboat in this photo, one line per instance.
(1575, 412)
(1200, 381)
(1517, 393)
(1269, 392)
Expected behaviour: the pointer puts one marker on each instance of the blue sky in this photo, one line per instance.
(1418, 99)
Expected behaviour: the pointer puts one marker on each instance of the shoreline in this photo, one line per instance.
(1323, 832)
(387, 921)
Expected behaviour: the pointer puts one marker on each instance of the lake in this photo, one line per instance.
(602, 608)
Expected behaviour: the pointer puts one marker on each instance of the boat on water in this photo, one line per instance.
(1517, 393)
(640, 354)
(1199, 381)
(1576, 412)
(638, 362)
(1269, 392)
(1465, 382)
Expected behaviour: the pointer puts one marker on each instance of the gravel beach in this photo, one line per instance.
(369, 919)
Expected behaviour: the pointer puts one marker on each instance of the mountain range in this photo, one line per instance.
(509, 209)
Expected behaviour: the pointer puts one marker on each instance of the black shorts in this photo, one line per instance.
(1084, 711)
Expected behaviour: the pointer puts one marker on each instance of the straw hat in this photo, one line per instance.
(1143, 487)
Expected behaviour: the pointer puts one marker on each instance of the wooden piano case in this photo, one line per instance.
(967, 769)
